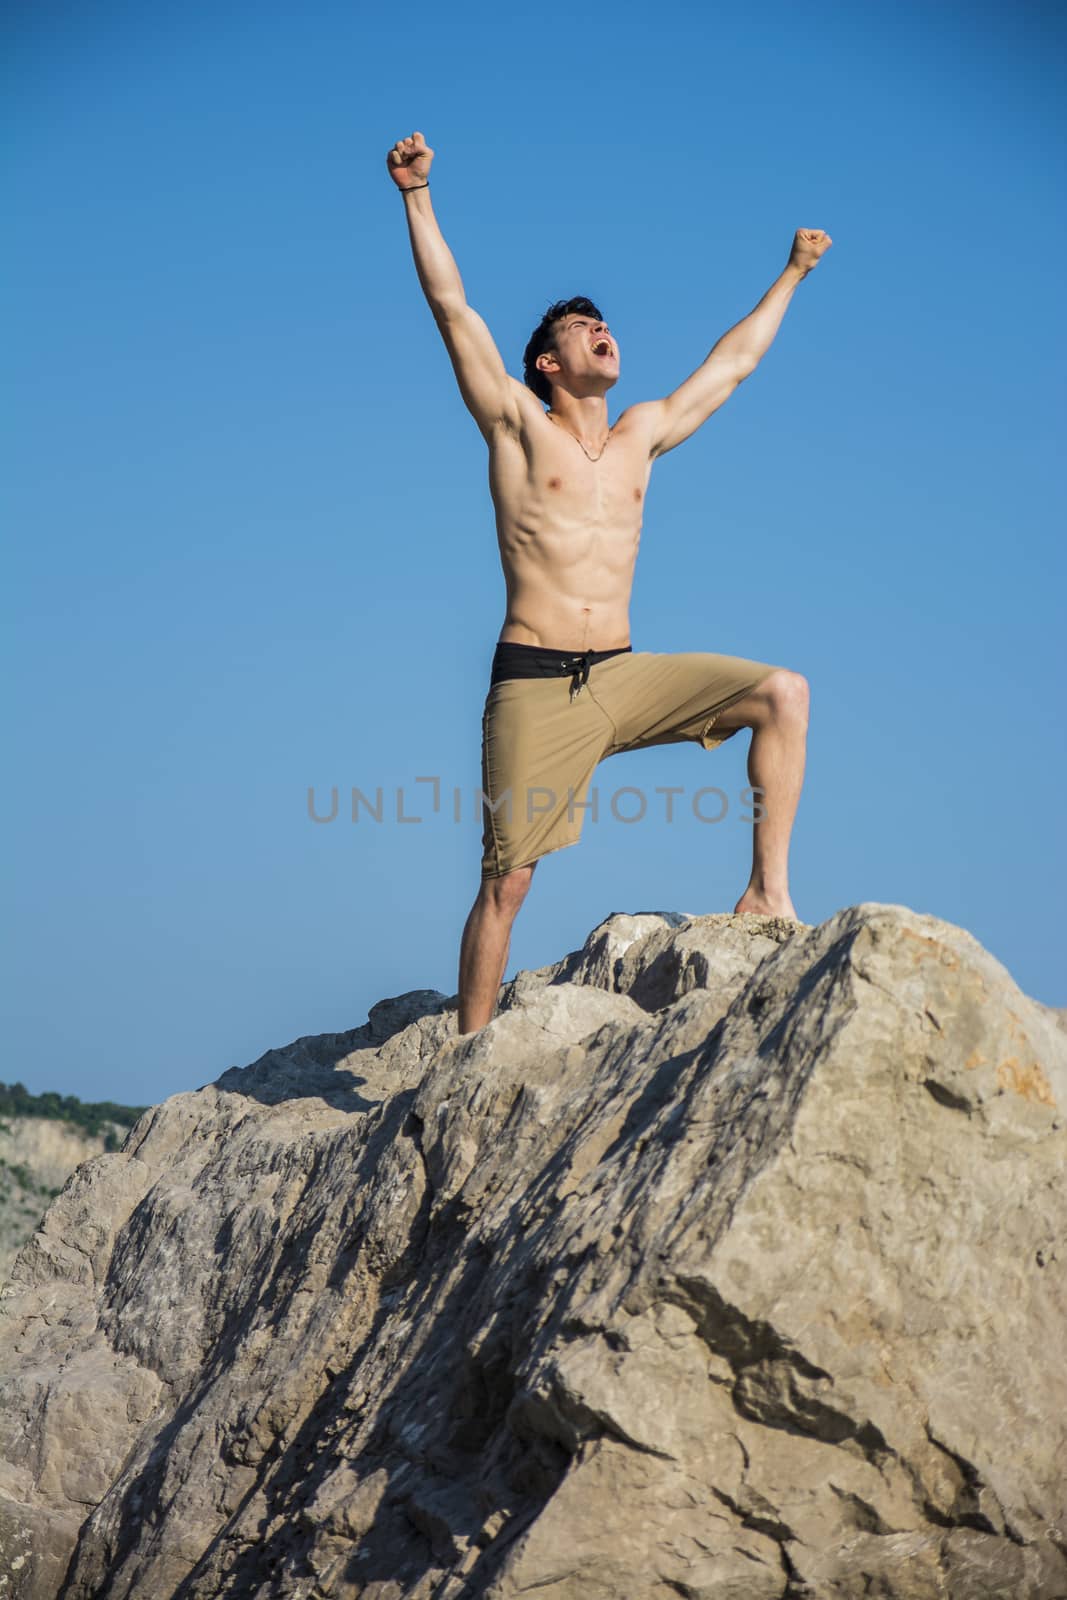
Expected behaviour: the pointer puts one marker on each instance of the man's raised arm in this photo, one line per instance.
(487, 389)
(737, 354)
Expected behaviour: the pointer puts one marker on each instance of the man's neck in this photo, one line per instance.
(586, 416)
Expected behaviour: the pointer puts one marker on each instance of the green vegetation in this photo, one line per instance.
(22, 1178)
(92, 1117)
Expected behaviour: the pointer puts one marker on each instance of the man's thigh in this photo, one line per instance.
(668, 698)
(539, 751)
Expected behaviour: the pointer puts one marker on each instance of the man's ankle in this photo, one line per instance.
(468, 1021)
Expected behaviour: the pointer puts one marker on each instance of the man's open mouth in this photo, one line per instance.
(602, 348)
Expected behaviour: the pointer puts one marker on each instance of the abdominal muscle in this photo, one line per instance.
(557, 625)
(568, 532)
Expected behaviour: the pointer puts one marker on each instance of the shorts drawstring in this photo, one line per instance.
(579, 665)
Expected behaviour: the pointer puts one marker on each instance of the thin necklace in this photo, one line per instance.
(578, 442)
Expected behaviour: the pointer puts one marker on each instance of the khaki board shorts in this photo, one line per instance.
(541, 745)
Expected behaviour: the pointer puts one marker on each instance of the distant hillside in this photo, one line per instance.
(43, 1137)
(93, 1117)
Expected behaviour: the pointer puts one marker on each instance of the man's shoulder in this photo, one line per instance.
(523, 413)
(642, 414)
(641, 422)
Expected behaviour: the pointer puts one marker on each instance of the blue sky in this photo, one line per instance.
(250, 542)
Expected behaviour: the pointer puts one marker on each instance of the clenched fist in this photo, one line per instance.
(409, 162)
(809, 244)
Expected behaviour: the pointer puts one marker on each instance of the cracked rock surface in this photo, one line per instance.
(729, 1261)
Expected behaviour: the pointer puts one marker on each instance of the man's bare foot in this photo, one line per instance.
(766, 905)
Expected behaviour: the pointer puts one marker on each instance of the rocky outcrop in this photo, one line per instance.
(727, 1262)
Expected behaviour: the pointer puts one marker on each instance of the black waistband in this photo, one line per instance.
(534, 661)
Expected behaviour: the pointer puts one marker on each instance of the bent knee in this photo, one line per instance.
(789, 693)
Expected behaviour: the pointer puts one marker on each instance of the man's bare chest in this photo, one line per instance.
(556, 477)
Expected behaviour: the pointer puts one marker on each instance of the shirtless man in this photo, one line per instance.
(566, 688)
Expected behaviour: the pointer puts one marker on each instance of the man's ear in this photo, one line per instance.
(547, 355)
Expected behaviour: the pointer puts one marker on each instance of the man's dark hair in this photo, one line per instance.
(544, 338)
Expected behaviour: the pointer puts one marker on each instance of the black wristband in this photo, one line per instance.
(408, 187)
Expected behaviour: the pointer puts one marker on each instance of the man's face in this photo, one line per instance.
(588, 360)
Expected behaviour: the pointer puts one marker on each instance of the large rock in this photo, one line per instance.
(728, 1262)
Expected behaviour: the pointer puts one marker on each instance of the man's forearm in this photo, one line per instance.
(434, 263)
(749, 340)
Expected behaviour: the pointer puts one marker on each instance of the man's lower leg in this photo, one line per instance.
(776, 761)
(484, 947)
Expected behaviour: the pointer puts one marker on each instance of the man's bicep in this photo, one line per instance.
(484, 382)
(690, 405)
